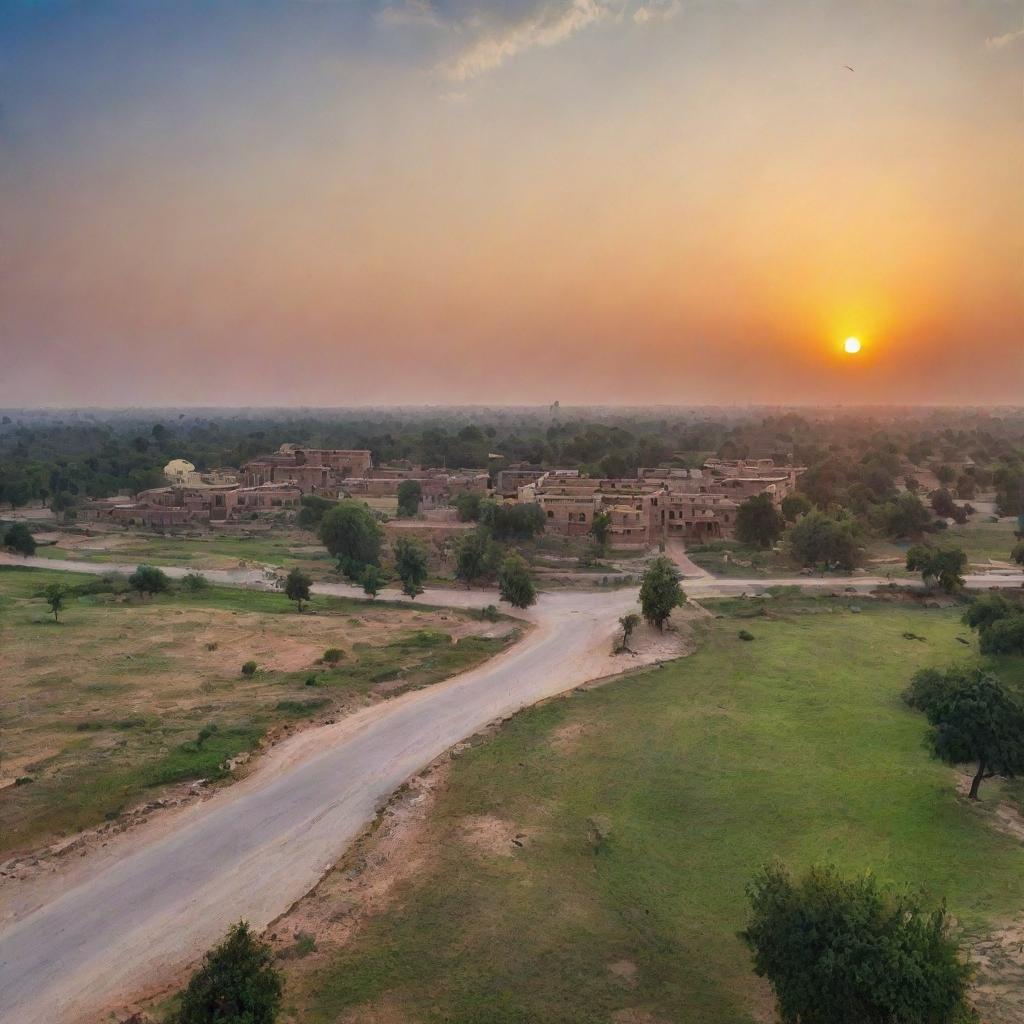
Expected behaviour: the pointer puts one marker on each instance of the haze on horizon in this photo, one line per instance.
(461, 201)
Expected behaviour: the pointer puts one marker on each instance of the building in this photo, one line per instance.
(312, 470)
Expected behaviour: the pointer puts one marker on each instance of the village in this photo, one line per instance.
(658, 504)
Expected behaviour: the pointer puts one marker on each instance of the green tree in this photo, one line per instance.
(660, 591)
(515, 583)
(410, 494)
(818, 538)
(312, 509)
(975, 719)
(54, 595)
(238, 983)
(352, 535)
(194, 582)
(907, 516)
(600, 528)
(758, 522)
(794, 506)
(372, 580)
(628, 623)
(467, 506)
(944, 565)
(296, 587)
(1017, 554)
(846, 951)
(19, 539)
(148, 579)
(512, 522)
(411, 565)
(945, 475)
(476, 556)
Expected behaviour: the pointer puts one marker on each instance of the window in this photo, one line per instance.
(551, 514)
(583, 517)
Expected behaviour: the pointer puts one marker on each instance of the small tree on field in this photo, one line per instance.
(372, 580)
(19, 539)
(55, 595)
(296, 587)
(411, 565)
(628, 623)
(194, 582)
(148, 579)
(410, 494)
(758, 522)
(942, 565)
(600, 528)
(660, 591)
(515, 583)
(975, 719)
(476, 556)
(352, 535)
(846, 951)
(238, 983)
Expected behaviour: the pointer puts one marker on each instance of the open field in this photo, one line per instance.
(588, 863)
(126, 695)
(203, 550)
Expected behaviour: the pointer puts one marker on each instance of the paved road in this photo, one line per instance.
(255, 848)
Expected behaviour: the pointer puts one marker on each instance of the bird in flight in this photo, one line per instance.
(847, 66)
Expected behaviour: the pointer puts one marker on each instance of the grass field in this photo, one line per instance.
(280, 546)
(126, 695)
(648, 804)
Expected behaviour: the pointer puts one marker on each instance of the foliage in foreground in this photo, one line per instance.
(237, 983)
(846, 951)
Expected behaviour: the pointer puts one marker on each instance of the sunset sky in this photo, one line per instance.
(338, 202)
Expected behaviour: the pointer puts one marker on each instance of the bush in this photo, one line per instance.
(236, 984)
(194, 581)
(148, 579)
(333, 655)
(19, 539)
(745, 635)
(489, 613)
(249, 669)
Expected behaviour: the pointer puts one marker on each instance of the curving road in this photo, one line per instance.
(126, 921)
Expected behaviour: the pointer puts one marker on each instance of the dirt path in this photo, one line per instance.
(142, 912)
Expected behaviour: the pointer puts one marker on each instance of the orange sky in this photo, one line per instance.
(456, 202)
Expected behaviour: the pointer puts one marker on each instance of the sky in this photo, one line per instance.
(348, 202)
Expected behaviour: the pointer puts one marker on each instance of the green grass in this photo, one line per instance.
(729, 558)
(96, 729)
(794, 746)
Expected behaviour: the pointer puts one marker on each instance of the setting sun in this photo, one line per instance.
(851, 346)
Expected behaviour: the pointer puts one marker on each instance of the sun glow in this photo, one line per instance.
(851, 346)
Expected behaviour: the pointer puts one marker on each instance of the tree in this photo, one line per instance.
(512, 522)
(238, 983)
(312, 509)
(944, 505)
(907, 516)
(945, 475)
(410, 494)
(372, 580)
(600, 528)
(296, 587)
(944, 565)
(846, 951)
(467, 506)
(411, 565)
(999, 622)
(54, 595)
(476, 556)
(758, 522)
(818, 538)
(515, 583)
(975, 719)
(628, 623)
(1017, 554)
(148, 579)
(794, 506)
(62, 503)
(352, 535)
(194, 582)
(19, 539)
(660, 591)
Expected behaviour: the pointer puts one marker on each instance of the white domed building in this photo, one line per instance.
(181, 473)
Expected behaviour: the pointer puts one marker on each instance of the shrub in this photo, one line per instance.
(194, 581)
(490, 613)
(236, 984)
(148, 579)
(249, 669)
(744, 634)
(333, 655)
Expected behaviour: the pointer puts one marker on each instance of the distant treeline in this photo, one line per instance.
(854, 460)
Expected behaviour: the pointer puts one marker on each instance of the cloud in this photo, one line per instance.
(409, 12)
(549, 25)
(1008, 39)
(657, 10)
